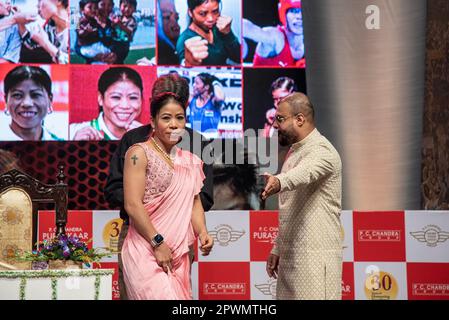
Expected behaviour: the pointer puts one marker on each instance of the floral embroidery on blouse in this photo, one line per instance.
(158, 174)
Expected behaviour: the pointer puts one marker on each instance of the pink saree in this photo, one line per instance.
(168, 199)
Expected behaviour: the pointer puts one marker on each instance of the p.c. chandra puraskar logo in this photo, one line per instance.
(379, 235)
(431, 234)
(268, 289)
(266, 234)
(70, 231)
(223, 234)
(346, 289)
(229, 288)
(430, 289)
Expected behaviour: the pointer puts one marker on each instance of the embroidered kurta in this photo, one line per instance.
(309, 242)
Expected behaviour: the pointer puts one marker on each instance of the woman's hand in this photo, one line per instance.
(88, 133)
(164, 257)
(224, 24)
(206, 243)
(195, 51)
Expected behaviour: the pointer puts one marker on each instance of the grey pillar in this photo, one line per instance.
(367, 86)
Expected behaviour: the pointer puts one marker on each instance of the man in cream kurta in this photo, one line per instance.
(307, 256)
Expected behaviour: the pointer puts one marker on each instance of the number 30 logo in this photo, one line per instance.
(111, 233)
(380, 285)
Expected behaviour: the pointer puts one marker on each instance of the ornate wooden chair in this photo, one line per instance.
(20, 198)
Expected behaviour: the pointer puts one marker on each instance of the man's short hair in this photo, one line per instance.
(300, 103)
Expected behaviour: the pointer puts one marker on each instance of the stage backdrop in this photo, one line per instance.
(365, 75)
(387, 255)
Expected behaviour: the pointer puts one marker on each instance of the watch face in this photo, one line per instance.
(158, 238)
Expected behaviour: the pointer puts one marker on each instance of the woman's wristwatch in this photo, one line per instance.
(157, 240)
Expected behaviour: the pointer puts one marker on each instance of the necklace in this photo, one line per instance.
(159, 148)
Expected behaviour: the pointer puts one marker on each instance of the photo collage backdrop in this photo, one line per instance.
(251, 63)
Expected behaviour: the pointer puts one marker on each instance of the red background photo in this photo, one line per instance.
(59, 75)
(84, 91)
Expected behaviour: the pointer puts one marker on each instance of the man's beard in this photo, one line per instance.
(285, 139)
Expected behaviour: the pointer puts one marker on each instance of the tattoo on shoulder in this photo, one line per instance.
(134, 159)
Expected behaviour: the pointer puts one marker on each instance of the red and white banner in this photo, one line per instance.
(387, 255)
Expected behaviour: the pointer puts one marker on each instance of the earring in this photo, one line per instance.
(50, 109)
(7, 112)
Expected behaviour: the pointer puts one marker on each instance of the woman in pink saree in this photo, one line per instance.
(161, 187)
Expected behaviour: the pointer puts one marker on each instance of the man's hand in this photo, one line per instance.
(273, 186)
(224, 24)
(272, 265)
(195, 51)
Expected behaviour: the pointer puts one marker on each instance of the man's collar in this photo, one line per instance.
(311, 136)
